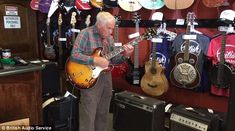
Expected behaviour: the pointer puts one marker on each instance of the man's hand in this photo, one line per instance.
(101, 62)
(128, 50)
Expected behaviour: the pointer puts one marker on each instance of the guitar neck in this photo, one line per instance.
(121, 49)
(186, 45)
(222, 50)
(116, 34)
(136, 51)
(73, 34)
(48, 32)
(154, 57)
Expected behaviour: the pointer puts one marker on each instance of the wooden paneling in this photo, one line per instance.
(22, 41)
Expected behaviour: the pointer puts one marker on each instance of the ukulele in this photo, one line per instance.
(85, 76)
(185, 74)
(134, 71)
(49, 51)
(118, 69)
(219, 73)
(154, 81)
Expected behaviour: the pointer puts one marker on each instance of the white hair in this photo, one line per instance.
(104, 18)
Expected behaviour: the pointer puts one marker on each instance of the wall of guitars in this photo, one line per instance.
(182, 63)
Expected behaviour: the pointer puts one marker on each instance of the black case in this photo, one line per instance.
(134, 112)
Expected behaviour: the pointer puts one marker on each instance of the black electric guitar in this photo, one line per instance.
(135, 72)
(185, 73)
(60, 47)
(219, 73)
(49, 51)
(154, 81)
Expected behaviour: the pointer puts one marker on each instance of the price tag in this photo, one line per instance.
(180, 22)
(62, 39)
(157, 40)
(75, 30)
(189, 37)
(118, 44)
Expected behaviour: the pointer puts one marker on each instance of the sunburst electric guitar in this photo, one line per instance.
(154, 81)
(85, 76)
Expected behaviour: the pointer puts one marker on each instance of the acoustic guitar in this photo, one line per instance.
(110, 3)
(97, 3)
(152, 4)
(130, 5)
(185, 73)
(213, 3)
(85, 76)
(219, 73)
(154, 81)
(34, 4)
(83, 4)
(49, 51)
(178, 4)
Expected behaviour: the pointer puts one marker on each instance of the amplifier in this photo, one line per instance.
(133, 112)
(193, 119)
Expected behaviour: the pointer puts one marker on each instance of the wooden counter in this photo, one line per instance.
(20, 94)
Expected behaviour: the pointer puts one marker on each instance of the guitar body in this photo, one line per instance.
(83, 76)
(213, 3)
(185, 74)
(110, 3)
(44, 6)
(130, 5)
(134, 74)
(220, 75)
(119, 69)
(49, 52)
(34, 4)
(154, 81)
(152, 4)
(178, 4)
(97, 3)
(83, 5)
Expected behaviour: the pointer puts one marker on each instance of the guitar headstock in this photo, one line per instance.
(88, 20)
(73, 18)
(151, 32)
(136, 18)
(117, 20)
(48, 21)
(60, 19)
(190, 18)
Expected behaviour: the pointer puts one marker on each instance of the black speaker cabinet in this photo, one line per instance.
(50, 80)
(133, 112)
(62, 115)
(193, 119)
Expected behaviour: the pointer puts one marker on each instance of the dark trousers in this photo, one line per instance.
(94, 105)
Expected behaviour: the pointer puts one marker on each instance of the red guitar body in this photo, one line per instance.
(119, 70)
(34, 4)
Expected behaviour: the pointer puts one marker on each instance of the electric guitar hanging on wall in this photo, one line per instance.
(118, 69)
(60, 47)
(219, 73)
(135, 72)
(154, 81)
(185, 73)
(49, 51)
(85, 76)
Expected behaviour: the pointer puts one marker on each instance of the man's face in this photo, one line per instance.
(106, 30)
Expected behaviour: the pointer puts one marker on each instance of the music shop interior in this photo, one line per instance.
(180, 76)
